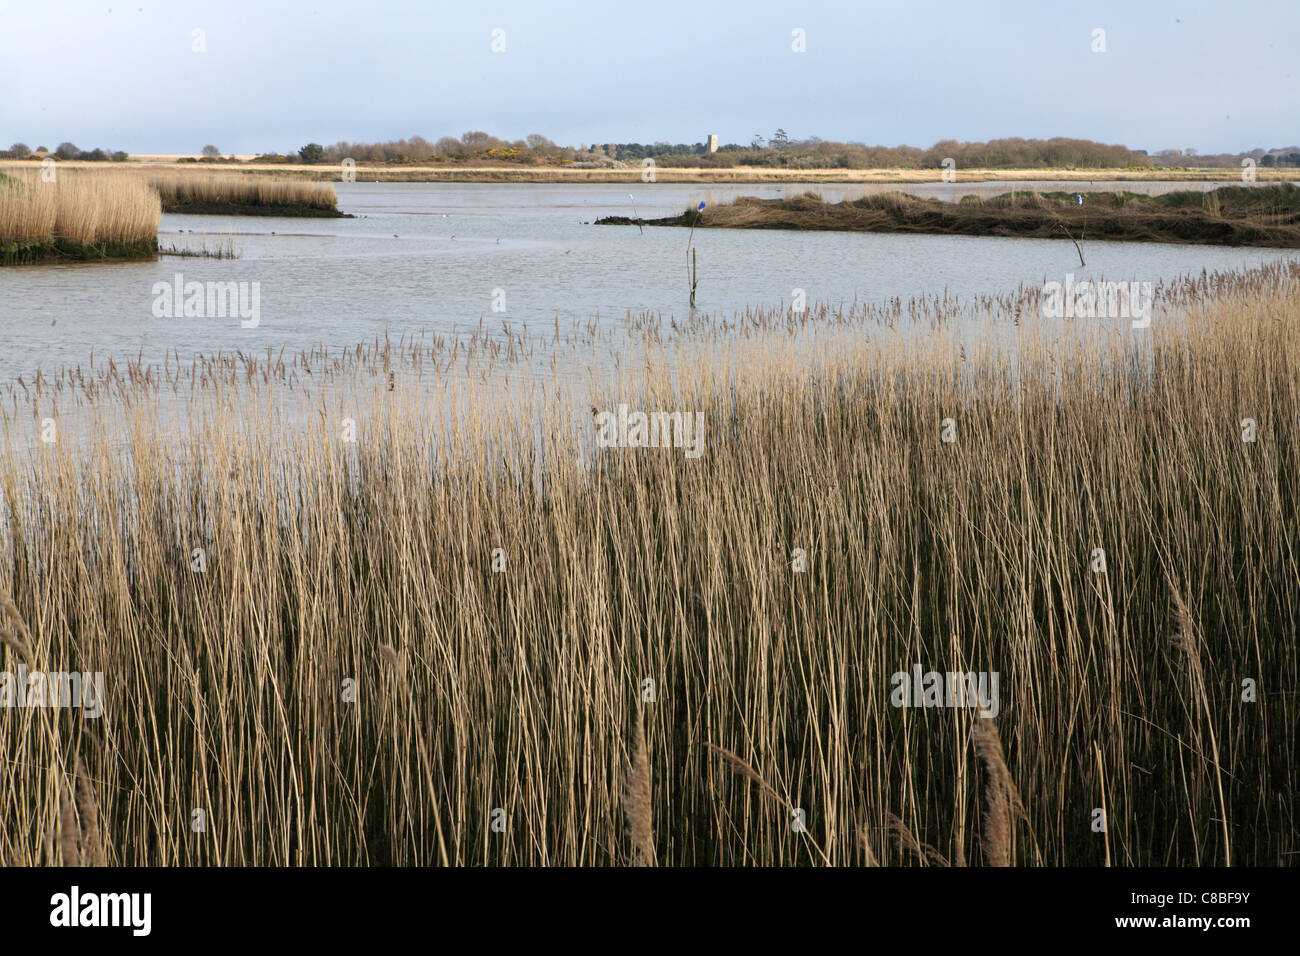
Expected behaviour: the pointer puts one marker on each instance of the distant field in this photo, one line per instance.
(555, 174)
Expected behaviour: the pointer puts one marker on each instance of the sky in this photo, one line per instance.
(1212, 76)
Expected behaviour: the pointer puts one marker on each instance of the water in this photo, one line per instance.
(437, 257)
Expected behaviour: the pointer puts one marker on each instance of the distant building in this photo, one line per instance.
(713, 142)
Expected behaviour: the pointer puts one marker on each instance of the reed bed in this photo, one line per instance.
(233, 193)
(83, 215)
(640, 674)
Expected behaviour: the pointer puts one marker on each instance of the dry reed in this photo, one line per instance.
(181, 190)
(638, 800)
(92, 842)
(1000, 797)
(76, 210)
(533, 580)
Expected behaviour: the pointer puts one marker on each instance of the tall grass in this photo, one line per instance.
(349, 681)
(81, 214)
(181, 190)
(103, 214)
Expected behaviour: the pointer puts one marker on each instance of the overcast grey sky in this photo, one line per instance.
(1215, 76)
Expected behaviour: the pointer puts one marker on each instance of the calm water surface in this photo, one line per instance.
(435, 257)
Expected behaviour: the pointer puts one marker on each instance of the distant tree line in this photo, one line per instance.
(64, 151)
(1287, 156)
(780, 151)
(815, 153)
(1010, 153)
(475, 144)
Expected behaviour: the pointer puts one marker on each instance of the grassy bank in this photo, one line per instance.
(317, 643)
(209, 193)
(79, 216)
(1230, 215)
